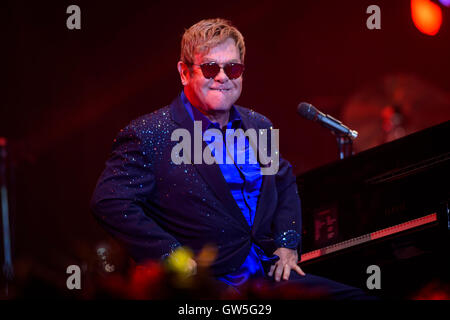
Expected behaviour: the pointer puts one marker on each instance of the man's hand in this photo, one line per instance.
(288, 261)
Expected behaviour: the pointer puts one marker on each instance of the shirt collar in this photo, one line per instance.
(234, 121)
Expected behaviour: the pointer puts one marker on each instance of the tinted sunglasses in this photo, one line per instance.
(210, 70)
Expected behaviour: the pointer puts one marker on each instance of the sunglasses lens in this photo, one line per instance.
(210, 70)
(234, 70)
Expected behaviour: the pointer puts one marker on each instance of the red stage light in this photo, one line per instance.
(427, 16)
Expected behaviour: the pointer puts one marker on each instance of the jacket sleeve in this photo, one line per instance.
(287, 224)
(287, 221)
(120, 200)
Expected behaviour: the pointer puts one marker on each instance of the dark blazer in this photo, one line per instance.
(153, 205)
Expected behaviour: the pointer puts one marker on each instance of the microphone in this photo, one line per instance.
(309, 112)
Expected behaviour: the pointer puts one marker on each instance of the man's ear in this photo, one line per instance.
(183, 70)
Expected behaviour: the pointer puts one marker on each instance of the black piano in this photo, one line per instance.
(387, 206)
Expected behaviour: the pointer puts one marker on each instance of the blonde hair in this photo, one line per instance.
(207, 34)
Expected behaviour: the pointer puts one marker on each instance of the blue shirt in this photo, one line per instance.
(244, 181)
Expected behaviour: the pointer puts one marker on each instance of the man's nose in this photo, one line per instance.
(221, 76)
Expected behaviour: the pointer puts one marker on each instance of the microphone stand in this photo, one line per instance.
(8, 270)
(345, 146)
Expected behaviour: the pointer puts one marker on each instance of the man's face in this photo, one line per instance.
(217, 94)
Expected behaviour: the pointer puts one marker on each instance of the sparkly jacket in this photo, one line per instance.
(153, 205)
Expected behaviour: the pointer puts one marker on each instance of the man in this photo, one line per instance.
(154, 204)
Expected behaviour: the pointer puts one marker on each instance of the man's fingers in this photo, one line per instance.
(278, 272)
(299, 270)
(272, 268)
(286, 272)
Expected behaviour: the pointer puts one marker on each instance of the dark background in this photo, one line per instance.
(67, 93)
